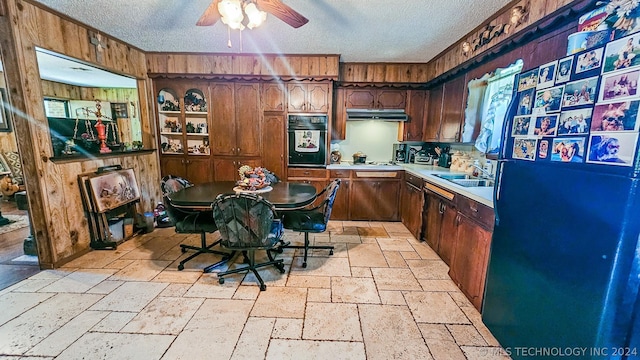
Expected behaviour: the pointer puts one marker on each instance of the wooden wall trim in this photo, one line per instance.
(229, 66)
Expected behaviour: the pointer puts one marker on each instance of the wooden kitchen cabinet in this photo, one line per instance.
(459, 230)
(183, 129)
(453, 109)
(319, 178)
(339, 120)
(236, 119)
(469, 264)
(375, 98)
(434, 114)
(411, 203)
(226, 169)
(374, 195)
(445, 111)
(341, 207)
(274, 143)
(309, 97)
(413, 128)
(274, 97)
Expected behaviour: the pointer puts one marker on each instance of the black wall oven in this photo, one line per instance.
(307, 141)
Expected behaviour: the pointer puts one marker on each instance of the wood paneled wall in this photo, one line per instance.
(319, 67)
(54, 198)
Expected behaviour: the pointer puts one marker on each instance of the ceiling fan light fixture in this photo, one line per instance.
(231, 13)
(255, 16)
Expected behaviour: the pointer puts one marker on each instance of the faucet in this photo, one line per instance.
(483, 173)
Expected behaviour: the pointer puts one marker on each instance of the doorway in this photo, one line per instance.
(18, 253)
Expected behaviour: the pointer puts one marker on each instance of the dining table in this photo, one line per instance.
(284, 195)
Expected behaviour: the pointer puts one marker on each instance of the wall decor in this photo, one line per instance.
(5, 114)
(119, 110)
(113, 189)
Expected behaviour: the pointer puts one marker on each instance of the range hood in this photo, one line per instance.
(376, 114)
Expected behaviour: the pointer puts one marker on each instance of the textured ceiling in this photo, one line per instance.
(358, 30)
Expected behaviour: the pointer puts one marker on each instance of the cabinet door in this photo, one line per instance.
(297, 97)
(448, 232)
(173, 165)
(226, 169)
(391, 99)
(223, 130)
(433, 221)
(388, 193)
(341, 203)
(199, 171)
(414, 218)
(360, 98)
(273, 97)
(434, 114)
(248, 120)
(339, 121)
(273, 143)
(469, 264)
(453, 109)
(318, 98)
(362, 201)
(413, 130)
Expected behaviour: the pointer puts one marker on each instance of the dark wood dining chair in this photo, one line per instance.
(190, 222)
(312, 220)
(248, 223)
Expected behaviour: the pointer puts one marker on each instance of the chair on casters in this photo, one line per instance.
(190, 222)
(312, 220)
(246, 223)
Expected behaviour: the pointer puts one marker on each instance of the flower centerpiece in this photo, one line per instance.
(255, 178)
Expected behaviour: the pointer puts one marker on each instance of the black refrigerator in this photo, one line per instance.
(564, 267)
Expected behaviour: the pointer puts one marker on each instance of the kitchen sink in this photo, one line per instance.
(466, 180)
(455, 176)
(473, 182)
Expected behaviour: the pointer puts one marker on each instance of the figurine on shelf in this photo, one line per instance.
(170, 106)
(190, 128)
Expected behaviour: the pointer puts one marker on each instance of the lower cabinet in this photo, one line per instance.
(459, 230)
(197, 171)
(226, 169)
(471, 255)
(317, 177)
(341, 203)
(374, 196)
(411, 203)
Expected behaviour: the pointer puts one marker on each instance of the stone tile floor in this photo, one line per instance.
(382, 295)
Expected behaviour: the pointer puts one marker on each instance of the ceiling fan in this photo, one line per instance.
(275, 7)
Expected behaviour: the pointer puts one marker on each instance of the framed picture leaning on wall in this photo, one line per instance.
(5, 113)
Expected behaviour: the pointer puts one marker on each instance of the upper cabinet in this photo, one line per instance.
(274, 97)
(453, 109)
(236, 119)
(413, 128)
(309, 97)
(445, 111)
(373, 98)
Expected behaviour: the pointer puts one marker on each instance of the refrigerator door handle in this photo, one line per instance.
(496, 190)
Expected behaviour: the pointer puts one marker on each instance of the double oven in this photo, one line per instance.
(307, 140)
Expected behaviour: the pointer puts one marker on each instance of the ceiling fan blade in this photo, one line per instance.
(210, 16)
(282, 12)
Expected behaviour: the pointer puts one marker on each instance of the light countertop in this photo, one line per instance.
(483, 195)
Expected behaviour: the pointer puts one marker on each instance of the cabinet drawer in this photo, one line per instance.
(379, 174)
(340, 174)
(307, 173)
(413, 180)
(477, 211)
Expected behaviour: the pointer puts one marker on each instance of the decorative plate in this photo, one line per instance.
(258, 191)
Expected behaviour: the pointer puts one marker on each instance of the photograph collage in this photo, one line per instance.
(581, 108)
